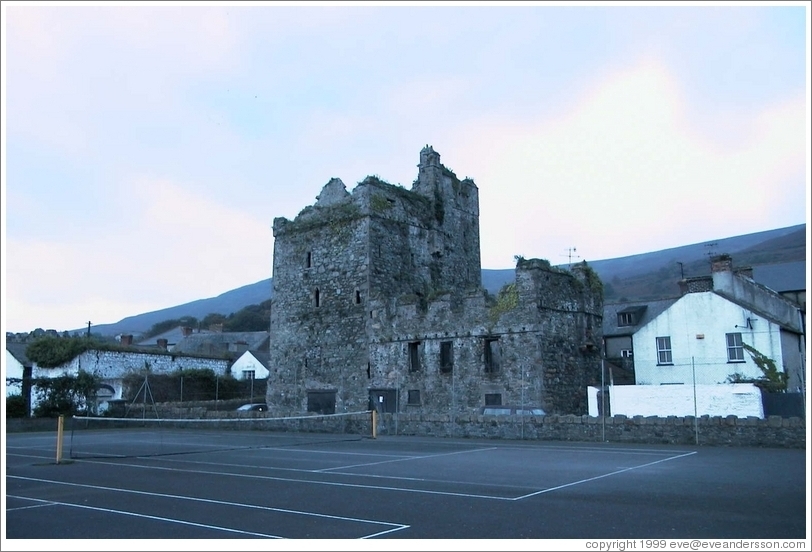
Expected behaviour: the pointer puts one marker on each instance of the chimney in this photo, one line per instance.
(721, 263)
(162, 343)
(127, 340)
(186, 330)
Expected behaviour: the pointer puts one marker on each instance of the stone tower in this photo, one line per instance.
(377, 296)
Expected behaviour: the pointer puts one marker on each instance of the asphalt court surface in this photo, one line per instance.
(397, 487)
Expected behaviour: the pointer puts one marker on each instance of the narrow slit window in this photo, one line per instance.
(414, 356)
(446, 357)
(309, 260)
(357, 297)
(493, 355)
(317, 297)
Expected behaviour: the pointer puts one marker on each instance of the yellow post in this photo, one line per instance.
(374, 424)
(59, 432)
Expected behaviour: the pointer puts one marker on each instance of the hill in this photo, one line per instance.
(646, 276)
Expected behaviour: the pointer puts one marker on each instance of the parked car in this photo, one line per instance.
(504, 410)
(255, 407)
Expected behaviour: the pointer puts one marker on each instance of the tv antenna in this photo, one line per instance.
(571, 254)
(710, 247)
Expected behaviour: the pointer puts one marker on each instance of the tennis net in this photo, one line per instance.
(106, 437)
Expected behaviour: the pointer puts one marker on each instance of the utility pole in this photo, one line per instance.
(88, 328)
(681, 272)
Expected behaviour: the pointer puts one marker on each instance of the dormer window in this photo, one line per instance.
(630, 316)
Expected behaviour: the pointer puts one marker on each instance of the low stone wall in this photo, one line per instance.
(774, 431)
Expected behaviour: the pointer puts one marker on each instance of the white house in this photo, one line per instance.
(16, 366)
(699, 337)
(251, 364)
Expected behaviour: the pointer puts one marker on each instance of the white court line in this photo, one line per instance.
(158, 518)
(293, 480)
(602, 476)
(47, 503)
(387, 488)
(404, 459)
(393, 526)
(348, 474)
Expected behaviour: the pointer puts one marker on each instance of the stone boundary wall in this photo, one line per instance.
(775, 431)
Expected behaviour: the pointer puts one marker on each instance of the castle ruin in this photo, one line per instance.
(377, 299)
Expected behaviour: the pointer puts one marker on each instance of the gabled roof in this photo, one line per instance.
(17, 350)
(262, 356)
(645, 311)
(223, 342)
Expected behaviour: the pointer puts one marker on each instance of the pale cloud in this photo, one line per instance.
(626, 160)
(184, 247)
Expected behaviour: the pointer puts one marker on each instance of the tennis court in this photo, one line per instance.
(236, 483)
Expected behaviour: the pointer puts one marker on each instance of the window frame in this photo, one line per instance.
(665, 356)
(735, 347)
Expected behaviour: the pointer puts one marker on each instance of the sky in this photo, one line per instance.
(147, 148)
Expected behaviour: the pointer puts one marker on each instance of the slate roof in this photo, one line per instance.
(17, 350)
(645, 310)
(235, 343)
(172, 337)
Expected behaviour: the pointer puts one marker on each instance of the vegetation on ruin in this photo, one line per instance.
(379, 203)
(506, 300)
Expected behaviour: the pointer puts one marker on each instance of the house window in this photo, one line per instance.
(323, 402)
(446, 357)
(493, 355)
(626, 353)
(249, 374)
(309, 260)
(735, 350)
(625, 319)
(414, 357)
(414, 396)
(664, 350)
(493, 399)
(317, 297)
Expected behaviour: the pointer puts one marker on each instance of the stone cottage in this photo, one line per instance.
(377, 299)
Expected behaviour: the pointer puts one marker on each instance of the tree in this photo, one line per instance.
(50, 351)
(66, 394)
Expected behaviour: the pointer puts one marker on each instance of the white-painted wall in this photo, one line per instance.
(248, 362)
(12, 369)
(697, 324)
(734, 399)
(112, 366)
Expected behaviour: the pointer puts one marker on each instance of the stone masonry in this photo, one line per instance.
(377, 300)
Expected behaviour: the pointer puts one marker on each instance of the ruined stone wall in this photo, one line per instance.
(398, 276)
(319, 307)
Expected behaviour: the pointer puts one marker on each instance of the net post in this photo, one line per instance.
(60, 431)
(374, 424)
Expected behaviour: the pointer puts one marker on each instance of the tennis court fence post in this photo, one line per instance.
(374, 424)
(60, 431)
